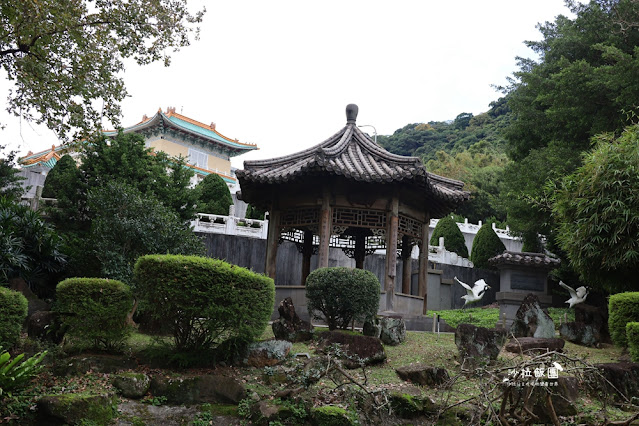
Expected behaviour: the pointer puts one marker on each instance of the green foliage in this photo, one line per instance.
(214, 195)
(127, 225)
(622, 308)
(254, 212)
(29, 248)
(597, 208)
(64, 176)
(632, 336)
(204, 301)
(14, 376)
(10, 179)
(485, 245)
(342, 295)
(331, 415)
(61, 56)
(94, 310)
(13, 311)
(453, 238)
(481, 317)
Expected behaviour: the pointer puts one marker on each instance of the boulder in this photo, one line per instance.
(409, 403)
(357, 349)
(527, 345)
(597, 318)
(532, 321)
(43, 325)
(390, 329)
(562, 396)
(580, 333)
(372, 327)
(81, 364)
(423, 374)
(132, 385)
(478, 344)
(330, 415)
(198, 389)
(70, 408)
(267, 353)
(624, 376)
(290, 326)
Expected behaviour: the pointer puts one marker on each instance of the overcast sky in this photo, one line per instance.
(280, 73)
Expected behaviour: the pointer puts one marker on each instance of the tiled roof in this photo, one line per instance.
(47, 157)
(354, 155)
(540, 260)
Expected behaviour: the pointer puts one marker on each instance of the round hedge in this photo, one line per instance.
(453, 238)
(94, 310)
(623, 308)
(13, 311)
(204, 301)
(342, 295)
(485, 245)
(632, 335)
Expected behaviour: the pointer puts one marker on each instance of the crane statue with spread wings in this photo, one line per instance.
(475, 293)
(576, 296)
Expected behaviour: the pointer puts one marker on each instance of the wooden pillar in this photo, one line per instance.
(360, 249)
(272, 242)
(325, 229)
(423, 263)
(392, 225)
(407, 264)
(307, 252)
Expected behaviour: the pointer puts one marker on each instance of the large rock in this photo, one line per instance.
(268, 353)
(357, 349)
(410, 403)
(81, 364)
(526, 345)
(73, 409)
(132, 385)
(532, 321)
(391, 330)
(290, 326)
(624, 376)
(580, 333)
(43, 325)
(562, 396)
(478, 344)
(423, 374)
(198, 389)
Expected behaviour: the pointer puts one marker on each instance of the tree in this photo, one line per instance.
(597, 208)
(64, 57)
(453, 238)
(214, 195)
(10, 186)
(485, 245)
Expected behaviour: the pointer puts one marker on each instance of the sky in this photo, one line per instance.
(280, 73)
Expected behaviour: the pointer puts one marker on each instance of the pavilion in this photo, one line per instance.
(348, 192)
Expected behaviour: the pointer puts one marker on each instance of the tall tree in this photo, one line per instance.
(65, 56)
(214, 195)
(10, 180)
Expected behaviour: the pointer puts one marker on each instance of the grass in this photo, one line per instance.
(481, 317)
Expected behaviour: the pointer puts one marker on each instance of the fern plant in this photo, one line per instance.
(14, 376)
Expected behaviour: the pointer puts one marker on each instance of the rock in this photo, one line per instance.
(358, 349)
(290, 326)
(198, 389)
(393, 330)
(268, 353)
(596, 317)
(132, 385)
(81, 364)
(580, 333)
(270, 412)
(563, 397)
(624, 376)
(72, 408)
(42, 325)
(423, 374)
(478, 344)
(372, 327)
(139, 413)
(330, 415)
(409, 404)
(532, 321)
(523, 345)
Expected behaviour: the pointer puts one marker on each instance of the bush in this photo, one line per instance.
(214, 195)
(623, 308)
(204, 301)
(485, 245)
(13, 311)
(453, 238)
(94, 310)
(342, 295)
(632, 335)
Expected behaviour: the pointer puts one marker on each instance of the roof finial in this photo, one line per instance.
(351, 113)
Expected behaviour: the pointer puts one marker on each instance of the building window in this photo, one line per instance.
(198, 158)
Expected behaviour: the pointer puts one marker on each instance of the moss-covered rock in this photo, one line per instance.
(132, 385)
(81, 364)
(198, 389)
(72, 409)
(330, 415)
(408, 406)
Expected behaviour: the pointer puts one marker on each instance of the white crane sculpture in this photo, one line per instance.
(475, 293)
(576, 296)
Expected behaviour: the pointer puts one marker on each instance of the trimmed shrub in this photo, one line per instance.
(204, 301)
(214, 195)
(623, 308)
(453, 238)
(485, 245)
(13, 311)
(94, 310)
(342, 295)
(632, 335)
